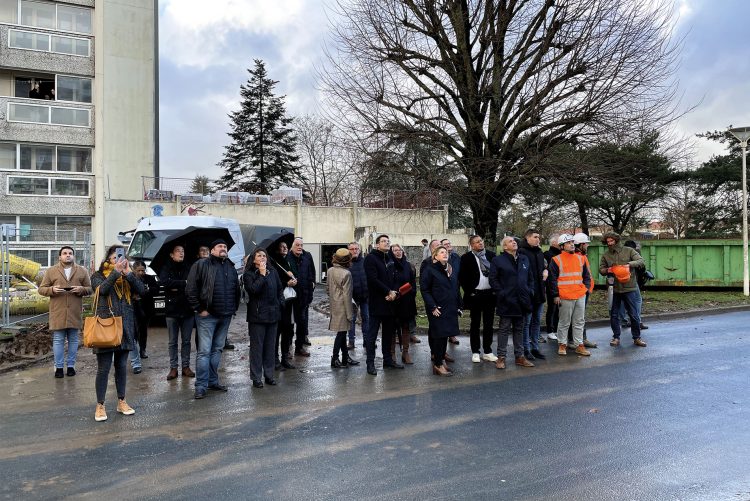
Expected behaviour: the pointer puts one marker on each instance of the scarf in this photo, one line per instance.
(122, 287)
(484, 264)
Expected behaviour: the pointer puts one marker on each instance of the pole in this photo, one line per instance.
(745, 269)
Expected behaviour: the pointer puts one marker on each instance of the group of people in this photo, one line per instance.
(277, 284)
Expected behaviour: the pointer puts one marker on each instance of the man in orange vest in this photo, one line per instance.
(581, 241)
(569, 279)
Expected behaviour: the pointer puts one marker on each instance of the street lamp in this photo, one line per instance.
(743, 134)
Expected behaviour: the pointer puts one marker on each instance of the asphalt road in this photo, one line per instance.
(666, 422)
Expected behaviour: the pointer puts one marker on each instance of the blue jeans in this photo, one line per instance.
(364, 311)
(531, 327)
(632, 303)
(183, 327)
(58, 346)
(624, 315)
(135, 356)
(212, 334)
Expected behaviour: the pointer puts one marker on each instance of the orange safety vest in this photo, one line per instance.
(570, 280)
(588, 267)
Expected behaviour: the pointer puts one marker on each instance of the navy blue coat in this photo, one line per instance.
(511, 280)
(438, 289)
(303, 268)
(266, 295)
(380, 272)
(359, 281)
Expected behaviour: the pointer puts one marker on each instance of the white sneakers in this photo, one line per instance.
(475, 358)
(553, 337)
(489, 357)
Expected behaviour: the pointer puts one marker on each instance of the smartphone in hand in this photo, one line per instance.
(119, 253)
(67, 289)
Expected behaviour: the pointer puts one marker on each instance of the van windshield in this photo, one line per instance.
(146, 244)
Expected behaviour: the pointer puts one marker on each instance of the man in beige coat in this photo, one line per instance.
(65, 283)
(339, 282)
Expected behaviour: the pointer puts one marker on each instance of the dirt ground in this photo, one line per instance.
(30, 343)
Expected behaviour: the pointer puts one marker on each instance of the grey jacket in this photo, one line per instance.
(622, 255)
(120, 306)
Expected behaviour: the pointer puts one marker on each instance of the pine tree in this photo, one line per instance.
(261, 155)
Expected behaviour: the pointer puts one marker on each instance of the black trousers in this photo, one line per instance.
(340, 345)
(262, 337)
(103, 365)
(553, 314)
(285, 331)
(482, 311)
(388, 323)
(439, 345)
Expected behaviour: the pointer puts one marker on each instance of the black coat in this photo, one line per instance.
(359, 281)
(536, 263)
(381, 279)
(213, 286)
(438, 289)
(468, 275)
(266, 295)
(406, 304)
(511, 280)
(548, 255)
(173, 278)
(303, 268)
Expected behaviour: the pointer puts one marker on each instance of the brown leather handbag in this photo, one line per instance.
(101, 332)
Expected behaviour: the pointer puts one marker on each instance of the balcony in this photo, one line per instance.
(42, 121)
(46, 51)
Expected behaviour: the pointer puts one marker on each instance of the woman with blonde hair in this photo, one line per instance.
(442, 301)
(117, 286)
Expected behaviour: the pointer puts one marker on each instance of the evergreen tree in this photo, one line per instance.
(261, 155)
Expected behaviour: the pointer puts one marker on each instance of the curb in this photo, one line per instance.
(604, 322)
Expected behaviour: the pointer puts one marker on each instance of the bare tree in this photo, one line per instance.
(491, 83)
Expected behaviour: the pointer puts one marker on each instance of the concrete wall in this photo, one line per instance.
(43, 62)
(42, 133)
(124, 93)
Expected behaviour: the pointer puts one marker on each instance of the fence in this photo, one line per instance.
(23, 254)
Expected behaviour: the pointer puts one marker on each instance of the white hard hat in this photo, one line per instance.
(565, 237)
(581, 238)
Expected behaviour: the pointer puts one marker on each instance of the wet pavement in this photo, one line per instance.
(665, 422)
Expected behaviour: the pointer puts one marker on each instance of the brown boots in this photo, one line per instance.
(405, 338)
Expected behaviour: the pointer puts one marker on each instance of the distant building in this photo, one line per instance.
(77, 117)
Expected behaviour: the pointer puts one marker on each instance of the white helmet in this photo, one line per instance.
(581, 238)
(565, 237)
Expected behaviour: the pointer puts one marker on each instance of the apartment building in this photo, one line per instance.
(78, 90)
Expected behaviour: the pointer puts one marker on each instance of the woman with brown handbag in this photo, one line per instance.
(116, 284)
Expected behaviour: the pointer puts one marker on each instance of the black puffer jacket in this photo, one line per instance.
(266, 296)
(213, 286)
(535, 255)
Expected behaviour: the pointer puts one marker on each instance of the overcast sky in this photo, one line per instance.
(205, 52)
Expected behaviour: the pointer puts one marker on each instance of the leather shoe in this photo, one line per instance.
(71, 372)
(307, 342)
(523, 362)
(441, 371)
(286, 364)
(143, 355)
(371, 370)
(393, 364)
(639, 342)
(270, 382)
(301, 352)
(414, 339)
(528, 355)
(228, 346)
(538, 354)
(589, 344)
(449, 358)
(453, 340)
(137, 370)
(500, 363)
(172, 374)
(644, 327)
(257, 384)
(351, 361)
(335, 363)
(186, 372)
(200, 394)
(218, 387)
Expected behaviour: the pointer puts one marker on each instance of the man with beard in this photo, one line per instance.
(213, 292)
(530, 247)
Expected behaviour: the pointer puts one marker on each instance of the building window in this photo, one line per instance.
(73, 159)
(28, 186)
(37, 228)
(40, 256)
(28, 40)
(9, 11)
(49, 43)
(69, 45)
(39, 14)
(7, 156)
(18, 112)
(70, 116)
(44, 186)
(55, 16)
(73, 89)
(36, 157)
(48, 157)
(70, 187)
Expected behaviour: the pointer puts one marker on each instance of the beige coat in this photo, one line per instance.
(340, 296)
(65, 308)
